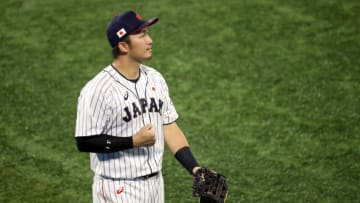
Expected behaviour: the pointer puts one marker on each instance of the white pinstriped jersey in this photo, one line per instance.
(110, 104)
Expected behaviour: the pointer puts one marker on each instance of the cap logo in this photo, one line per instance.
(121, 33)
(138, 16)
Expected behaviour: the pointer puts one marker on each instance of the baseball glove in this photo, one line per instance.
(210, 186)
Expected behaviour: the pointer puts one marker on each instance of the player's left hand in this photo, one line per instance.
(196, 168)
(210, 186)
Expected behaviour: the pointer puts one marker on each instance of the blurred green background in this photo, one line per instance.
(268, 93)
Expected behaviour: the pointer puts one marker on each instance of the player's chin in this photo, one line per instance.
(148, 56)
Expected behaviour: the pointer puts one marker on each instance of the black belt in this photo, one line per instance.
(141, 177)
(149, 176)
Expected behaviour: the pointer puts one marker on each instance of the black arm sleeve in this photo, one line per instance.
(103, 143)
(186, 158)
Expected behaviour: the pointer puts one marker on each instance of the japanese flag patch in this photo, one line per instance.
(121, 33)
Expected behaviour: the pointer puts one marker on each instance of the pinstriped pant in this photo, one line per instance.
(138, 190)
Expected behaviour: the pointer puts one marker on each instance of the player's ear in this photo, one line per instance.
(123, 47)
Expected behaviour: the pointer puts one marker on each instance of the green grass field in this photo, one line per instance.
(268, 93)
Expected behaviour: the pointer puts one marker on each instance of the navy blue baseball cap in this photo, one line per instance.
(125, 24)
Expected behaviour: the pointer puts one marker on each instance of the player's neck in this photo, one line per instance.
(128, 68)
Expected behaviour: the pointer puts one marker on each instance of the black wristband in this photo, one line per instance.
(103, 143)
(186, 158)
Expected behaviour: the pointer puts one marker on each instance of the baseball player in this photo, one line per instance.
(124, 117)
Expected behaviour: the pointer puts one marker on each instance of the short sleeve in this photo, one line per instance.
(92, 113)
(169, 113)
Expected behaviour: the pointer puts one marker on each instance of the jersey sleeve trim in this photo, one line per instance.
(170, 122)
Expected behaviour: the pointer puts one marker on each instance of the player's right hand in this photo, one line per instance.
(145, 136)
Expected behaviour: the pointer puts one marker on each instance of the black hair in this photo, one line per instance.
(116, 51)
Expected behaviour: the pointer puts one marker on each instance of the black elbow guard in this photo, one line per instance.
(103, 143)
